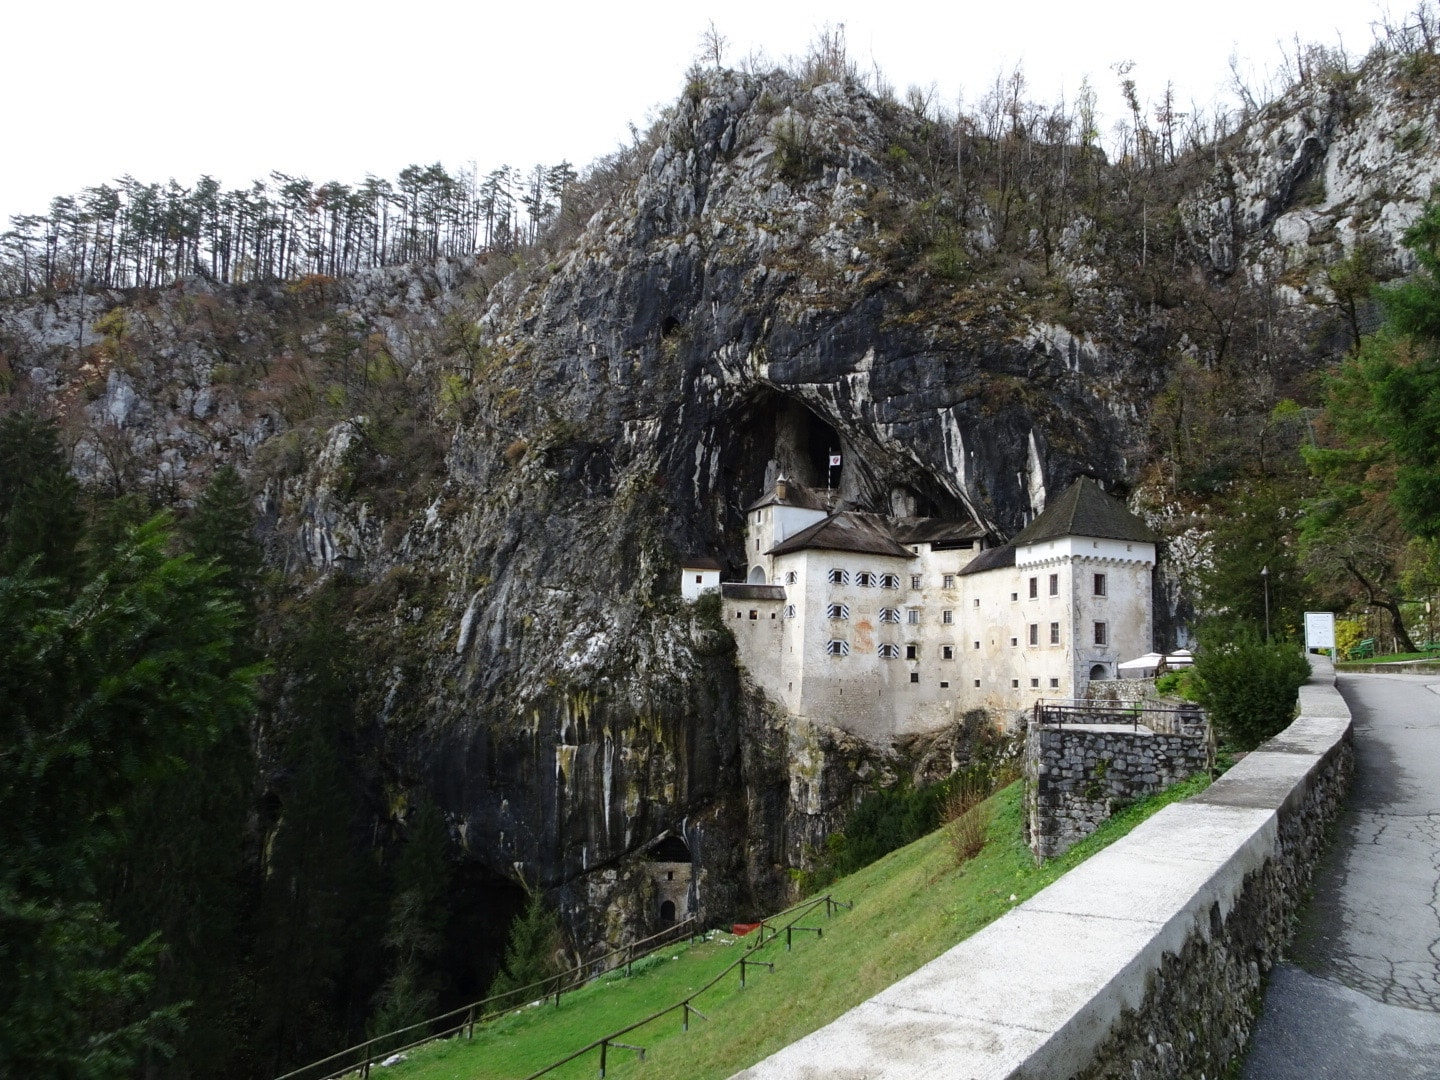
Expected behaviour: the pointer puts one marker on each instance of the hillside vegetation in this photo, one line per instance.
(909, 907)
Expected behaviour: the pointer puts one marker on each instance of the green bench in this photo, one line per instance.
(1363, 651)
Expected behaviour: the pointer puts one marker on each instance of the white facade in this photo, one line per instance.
(696, 581)
(885, 644)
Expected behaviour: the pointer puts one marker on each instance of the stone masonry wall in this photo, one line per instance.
(1075, 779)
(1201, 1005)
(1145, 962)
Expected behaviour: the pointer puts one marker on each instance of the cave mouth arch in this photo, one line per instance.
(671, 849)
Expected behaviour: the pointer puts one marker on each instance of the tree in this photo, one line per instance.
(40, 514)
(1386, 397)
(530, 955)
(1246, 684)
(106, 691)
(1255, 533)
(222, 529)
(415, 934)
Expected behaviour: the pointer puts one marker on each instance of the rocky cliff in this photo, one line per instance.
(504, 460)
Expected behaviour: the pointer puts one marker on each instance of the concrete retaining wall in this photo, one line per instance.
(1145, 961)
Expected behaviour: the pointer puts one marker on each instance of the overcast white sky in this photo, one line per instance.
(333, 89)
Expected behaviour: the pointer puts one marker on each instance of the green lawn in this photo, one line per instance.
(910, 907)
(1390, 658)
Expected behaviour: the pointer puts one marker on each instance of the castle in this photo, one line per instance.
(890, 626)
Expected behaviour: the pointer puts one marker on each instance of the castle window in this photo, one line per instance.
(1054, 584)
(790, 577)
(947, 652)
(1014, 684)
(1014, 596)
(977, 645)
(915, 580)
(912, 652)
(837, 611)
(1099, 584)
(1034, 633)
(1102, 634)
(1014, 641)
(839, 577)
(1054, 684)
(737, 614)
(914, 676)
(1034, 587)
(977, 684)
(754, 614)
(865, 579)
(944, 685)
(947, 617)
(890, 615)
(1035, 684)
(697, 579)
(789, 611)
(949, 581)
(1054, 633)
(889, 581)
(888, 652)
(912, 616)
(836, 647)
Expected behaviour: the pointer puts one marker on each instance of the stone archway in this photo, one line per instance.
(1099, 673)
(757, 575)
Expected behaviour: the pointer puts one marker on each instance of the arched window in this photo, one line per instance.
(757, 575)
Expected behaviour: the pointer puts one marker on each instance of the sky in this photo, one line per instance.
(336, 89)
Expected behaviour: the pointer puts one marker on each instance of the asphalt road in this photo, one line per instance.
(1358, 995)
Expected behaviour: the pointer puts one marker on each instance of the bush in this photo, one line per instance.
(1177, 684)
(1248, 686)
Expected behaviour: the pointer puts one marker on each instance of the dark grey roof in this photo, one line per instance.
(993, 559)
(846, 531)
(699, 562)
(796, 494)
(937, 532)
(739, 590)
(1083, 509)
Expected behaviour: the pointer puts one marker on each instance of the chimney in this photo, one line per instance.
(781, 488)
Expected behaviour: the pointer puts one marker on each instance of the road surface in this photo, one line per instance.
(1358, 995)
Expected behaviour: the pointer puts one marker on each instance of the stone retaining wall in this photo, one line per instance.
(1145, 961)
(1076, 778)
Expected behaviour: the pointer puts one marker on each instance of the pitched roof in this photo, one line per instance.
(938, 532)
(1083, 509)
(993, 559)
(846, 531)
(739, 590)
(796, 494)
(699, 562)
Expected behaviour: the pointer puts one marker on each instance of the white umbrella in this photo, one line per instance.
(1141, 667)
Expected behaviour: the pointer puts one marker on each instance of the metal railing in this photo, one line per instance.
(360, 1057)
(1161, 719)
(686, 1007)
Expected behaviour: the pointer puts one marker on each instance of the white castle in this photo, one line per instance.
(890, 626)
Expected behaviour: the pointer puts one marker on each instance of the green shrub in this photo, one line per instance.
(1177, 684)
(1248, 685)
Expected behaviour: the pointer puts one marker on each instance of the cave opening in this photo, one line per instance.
(670, 849)
(776, 436)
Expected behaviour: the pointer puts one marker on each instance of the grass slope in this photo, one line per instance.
(910, 907)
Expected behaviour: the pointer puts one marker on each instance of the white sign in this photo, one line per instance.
(1319, 630)
(834, 461)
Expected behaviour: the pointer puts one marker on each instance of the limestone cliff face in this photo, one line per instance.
(748, 296)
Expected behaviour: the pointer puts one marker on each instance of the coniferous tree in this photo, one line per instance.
(106, 692)
(415, 935)
(530, 955)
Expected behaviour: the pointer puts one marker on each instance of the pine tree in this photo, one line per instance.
(530, 955)
(416, 932)
(107, 692)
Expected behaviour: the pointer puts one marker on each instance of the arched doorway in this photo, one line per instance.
(757, 575)
(667, 914)
(1099, 673)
